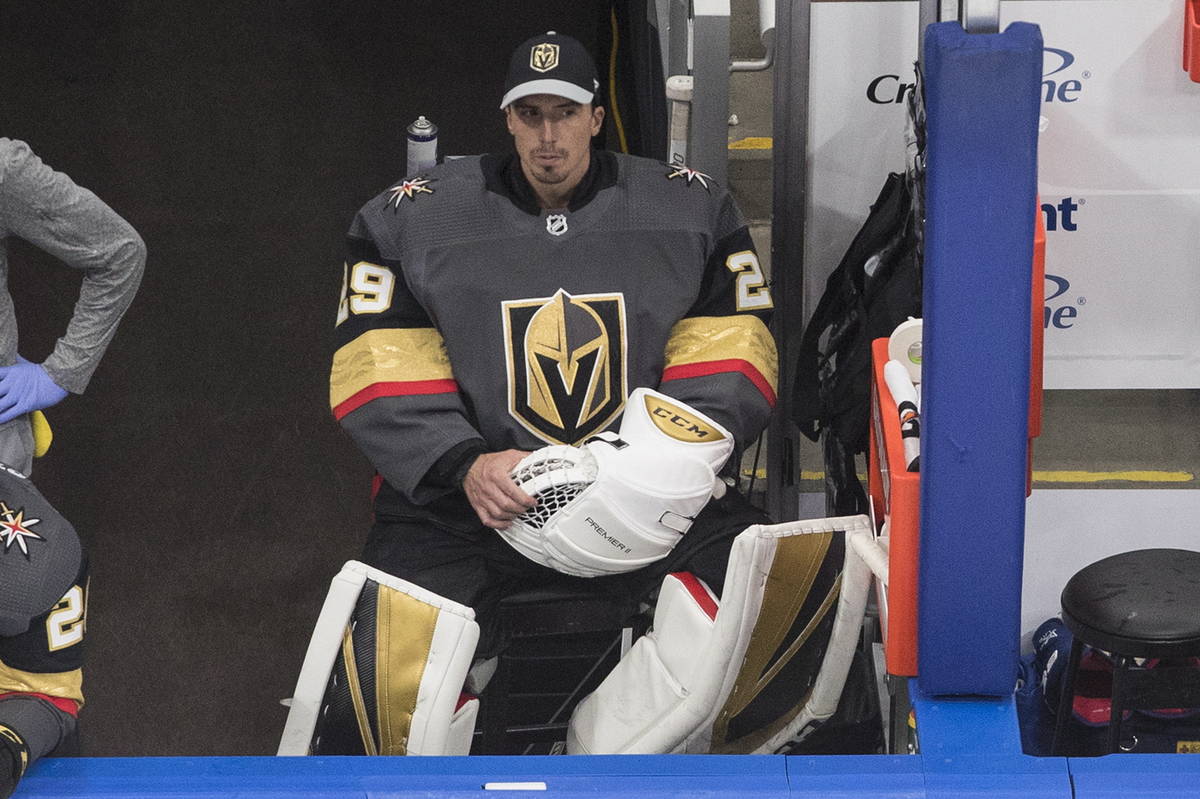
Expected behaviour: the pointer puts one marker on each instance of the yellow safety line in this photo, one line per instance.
(1134, 476)
(752, 143)
(805, 474)
(1047, 476)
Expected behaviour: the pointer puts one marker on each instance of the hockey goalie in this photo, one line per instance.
(749, 658)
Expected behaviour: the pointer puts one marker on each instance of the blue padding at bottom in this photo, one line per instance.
(961, 765)
(951, 726)
(1125, 776)
(377, 777)
(876, 776)
(972, 746)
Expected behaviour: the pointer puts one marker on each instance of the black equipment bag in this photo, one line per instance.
(875, 287)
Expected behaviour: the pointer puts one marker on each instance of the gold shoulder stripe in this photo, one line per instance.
(711, 339)
(62, 684)
(392, 355)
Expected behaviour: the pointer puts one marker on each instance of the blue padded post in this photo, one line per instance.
(982, 102)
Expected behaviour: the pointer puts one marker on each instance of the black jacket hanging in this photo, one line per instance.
(876, 286)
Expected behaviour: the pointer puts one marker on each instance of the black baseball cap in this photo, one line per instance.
(551, 64)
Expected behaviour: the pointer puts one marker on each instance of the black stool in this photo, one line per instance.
(1140, 604)
(559, 642)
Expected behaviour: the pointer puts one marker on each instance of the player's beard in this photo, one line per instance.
(554, 172)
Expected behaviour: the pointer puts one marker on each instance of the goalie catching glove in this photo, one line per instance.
(621, 501)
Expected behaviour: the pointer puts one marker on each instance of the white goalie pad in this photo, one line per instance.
(384, 672)
(691, 684)
(621, 501)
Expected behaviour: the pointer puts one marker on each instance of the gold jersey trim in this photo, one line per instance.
(704, 339)
(62, 684)
(393, 355)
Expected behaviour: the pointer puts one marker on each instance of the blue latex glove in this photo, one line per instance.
(26, 387)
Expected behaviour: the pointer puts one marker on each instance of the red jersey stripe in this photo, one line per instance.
(398, 389)
(705, 368)
(68, 706)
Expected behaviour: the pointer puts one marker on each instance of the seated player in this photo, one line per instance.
(43, 585)
(499, 312)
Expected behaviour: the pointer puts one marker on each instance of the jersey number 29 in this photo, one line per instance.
(366, 288)
(66, 620)
(752, 291)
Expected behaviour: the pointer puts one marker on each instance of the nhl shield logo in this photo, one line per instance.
(543, 57)
(556, 224)
(566, 364)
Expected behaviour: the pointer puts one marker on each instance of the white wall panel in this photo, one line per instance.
(1119, 173)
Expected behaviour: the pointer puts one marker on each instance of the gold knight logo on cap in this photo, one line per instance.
(543, 57)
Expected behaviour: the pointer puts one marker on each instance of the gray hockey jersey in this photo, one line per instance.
(471, 320)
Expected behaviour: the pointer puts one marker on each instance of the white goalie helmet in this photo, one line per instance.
(621, 501)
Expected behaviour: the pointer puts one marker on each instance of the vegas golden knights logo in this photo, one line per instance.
(566, 364)
(543, 57)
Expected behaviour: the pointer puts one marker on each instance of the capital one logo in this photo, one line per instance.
(1059, 84)
(1061, 215)
(1060, 310)
(889, 90)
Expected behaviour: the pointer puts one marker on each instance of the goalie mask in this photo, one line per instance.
(621, 501)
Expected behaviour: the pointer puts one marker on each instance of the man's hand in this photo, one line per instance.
(491, 490)
(26, 387)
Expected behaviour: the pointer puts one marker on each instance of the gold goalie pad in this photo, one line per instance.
(384, 672)
(748, 673)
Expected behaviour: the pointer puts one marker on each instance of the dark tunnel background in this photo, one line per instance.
(215, 493)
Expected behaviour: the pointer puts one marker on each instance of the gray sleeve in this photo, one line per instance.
(40, 725)
(404, 436)
(67, 221)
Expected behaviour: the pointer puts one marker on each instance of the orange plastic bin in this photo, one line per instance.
(895, 498)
